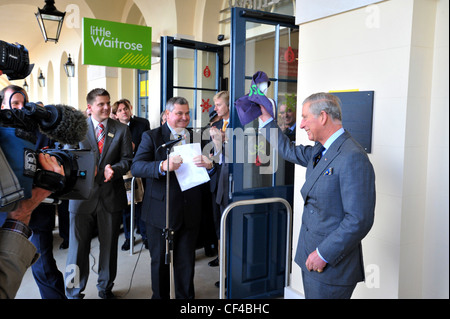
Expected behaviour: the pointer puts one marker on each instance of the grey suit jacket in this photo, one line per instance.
(339, 204)
(118, 152)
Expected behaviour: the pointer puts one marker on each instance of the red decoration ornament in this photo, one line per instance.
(207, 72)
(205, 105)
(257, 161)
(289, 55)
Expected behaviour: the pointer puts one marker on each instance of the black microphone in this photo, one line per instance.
(61, 123)
(170, 143)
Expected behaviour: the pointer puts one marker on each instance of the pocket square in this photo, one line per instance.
(328, 171)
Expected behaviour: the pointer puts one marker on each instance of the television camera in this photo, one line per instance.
(62, 124)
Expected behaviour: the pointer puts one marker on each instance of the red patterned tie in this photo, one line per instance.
(100, 137)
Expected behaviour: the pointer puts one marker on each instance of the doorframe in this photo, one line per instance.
(168, 45)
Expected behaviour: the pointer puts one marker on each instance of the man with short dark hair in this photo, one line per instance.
(123, 110)
(111, 141)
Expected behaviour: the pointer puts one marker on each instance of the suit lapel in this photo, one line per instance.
(165, 133)
(91, 138)
(110, 133)
(313, 174)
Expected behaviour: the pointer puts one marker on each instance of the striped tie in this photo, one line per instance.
(100, 137)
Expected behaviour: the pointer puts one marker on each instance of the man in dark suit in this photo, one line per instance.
(338, 194)
(111, 141)
(219, 181)
(151, 162)
(122, 109)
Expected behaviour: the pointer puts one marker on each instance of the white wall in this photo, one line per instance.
(393, 48)
(436, 241)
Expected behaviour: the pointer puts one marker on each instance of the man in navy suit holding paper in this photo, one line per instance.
(338, 194)
(185, 209)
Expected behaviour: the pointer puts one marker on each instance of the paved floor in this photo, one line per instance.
(133, 274)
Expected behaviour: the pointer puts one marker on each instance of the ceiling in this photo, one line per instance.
(19, 24)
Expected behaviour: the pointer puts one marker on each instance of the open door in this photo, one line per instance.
(193, 70)
(256, 244)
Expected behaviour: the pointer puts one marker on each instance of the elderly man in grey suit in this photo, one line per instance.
(338, 194)
(111, 140)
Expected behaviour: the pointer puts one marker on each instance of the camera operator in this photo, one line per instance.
(16, 252)
(42, 222)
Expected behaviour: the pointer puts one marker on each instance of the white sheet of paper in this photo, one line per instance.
(188, 174)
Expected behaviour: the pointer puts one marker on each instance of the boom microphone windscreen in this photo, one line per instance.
(70, 129)
(61, 123)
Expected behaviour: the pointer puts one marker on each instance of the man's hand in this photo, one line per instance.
(265, 115)
(50, 163)
(314, 262)
(109, 173)
(174, 163)
(26, 206)
(202, 161)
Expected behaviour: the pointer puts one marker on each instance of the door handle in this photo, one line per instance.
(230, 186)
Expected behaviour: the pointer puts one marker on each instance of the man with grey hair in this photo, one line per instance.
(338, 194)
(151, 163)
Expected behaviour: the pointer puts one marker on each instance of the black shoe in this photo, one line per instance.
(106, 295)
(217, 284)
(214, 262)
(126, 245)
(64, 245)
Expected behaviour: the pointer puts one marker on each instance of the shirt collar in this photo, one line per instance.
(333, 138)
(95, 123)
(292, 128)
(175, 133)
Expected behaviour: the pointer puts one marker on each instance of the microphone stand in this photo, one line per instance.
(168, 233)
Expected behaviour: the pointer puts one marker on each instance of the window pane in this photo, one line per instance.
(183, 67)
(206, 70)
(259, 50)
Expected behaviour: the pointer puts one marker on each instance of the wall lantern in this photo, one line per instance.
(25, 86)
(50, 21)
(41, 80)
(69, 67)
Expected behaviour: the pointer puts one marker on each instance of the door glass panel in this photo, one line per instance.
(259, 52)
(287, 99)
(206, 70)
(205, 105)
(262, 167)
(196, 78)
(200, 104)
(288, 54)
(143, 93)
(183, 67)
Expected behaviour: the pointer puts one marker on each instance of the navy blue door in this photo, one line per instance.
(256, 242)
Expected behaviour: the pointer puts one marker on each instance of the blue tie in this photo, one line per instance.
(318, 156)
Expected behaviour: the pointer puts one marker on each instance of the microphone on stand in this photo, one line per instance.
(170, 143)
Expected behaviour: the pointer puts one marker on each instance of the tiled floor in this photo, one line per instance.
(127, 285)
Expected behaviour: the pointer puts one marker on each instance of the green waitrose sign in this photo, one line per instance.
(116, 44)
